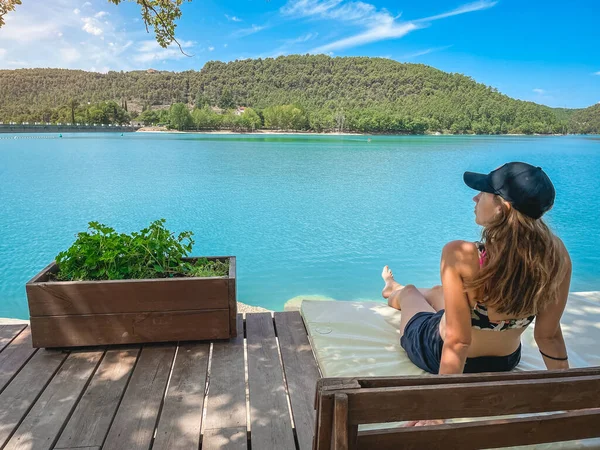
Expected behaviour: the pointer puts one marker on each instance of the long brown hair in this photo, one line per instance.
(524, 264)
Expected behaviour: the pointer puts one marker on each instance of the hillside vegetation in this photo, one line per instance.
(317, 93)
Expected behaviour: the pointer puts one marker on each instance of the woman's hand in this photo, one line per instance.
(423, 423)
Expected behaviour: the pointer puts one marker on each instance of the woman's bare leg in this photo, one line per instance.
(434, 295)
(411, 302)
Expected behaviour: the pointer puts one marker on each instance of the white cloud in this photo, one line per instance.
(91, 26)
(539, 91)
(248, 31)
(377, 25)
(381, 32)
(86, 5)
(149, 51)
(305, 8)
(76, 11)
(469, 7)
(48, 34)
(597, 73)
(210, 49)
(233, 18)
(69, 55)
(425, 52)
(301, 39)
(101, 14)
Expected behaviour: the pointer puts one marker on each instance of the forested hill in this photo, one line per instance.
(354, 93)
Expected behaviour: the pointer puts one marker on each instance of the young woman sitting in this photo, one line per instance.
(491, 290)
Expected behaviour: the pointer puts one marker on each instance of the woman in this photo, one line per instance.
(493, 289)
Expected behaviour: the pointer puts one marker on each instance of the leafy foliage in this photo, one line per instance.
(149, 117)
(179, 116)
(311, 92)
(6, 6)
(586, 121)
(154, 252)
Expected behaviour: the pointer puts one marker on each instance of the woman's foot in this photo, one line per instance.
(390, 284)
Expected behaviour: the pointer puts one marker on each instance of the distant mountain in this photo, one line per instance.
(354, 93)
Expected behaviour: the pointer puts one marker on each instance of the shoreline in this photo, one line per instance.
(265, 132)
(151, 129)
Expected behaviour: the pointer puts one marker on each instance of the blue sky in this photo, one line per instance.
(543, 51)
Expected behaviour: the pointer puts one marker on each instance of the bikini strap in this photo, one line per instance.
(481, 252)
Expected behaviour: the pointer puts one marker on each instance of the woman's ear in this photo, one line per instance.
(504, 205)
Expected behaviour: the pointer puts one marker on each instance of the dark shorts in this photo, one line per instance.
(423, 345)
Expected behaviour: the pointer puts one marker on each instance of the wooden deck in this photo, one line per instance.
(253, 392)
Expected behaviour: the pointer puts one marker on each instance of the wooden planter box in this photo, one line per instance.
(89, 313)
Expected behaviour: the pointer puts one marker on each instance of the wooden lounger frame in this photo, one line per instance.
(572, 396)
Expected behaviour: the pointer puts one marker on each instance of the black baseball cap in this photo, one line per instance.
(526, 187)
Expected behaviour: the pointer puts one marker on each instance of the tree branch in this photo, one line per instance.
(165, 27)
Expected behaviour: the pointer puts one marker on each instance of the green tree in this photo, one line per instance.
(73, 104)
(149, 117)
(202, 100)
(164, 117)
(250, 120)
(206, 119)
(179, 116)
(226, 100)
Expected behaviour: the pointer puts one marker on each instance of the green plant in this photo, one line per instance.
(154, 252)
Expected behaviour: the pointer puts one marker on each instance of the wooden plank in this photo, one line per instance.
(134, 328)
(24, 390)
(226, 402)
(340, 422)
(58, 298)
(14, 356)
(301, 373)
(324, 407)
(43, 424)
(420, 380)
(495, 433)
(324, 423)
(181, 417)
(269, 414)
(95, 411)
(136, 418)
(233, 330)
(8, 333)
(225, 439)
(472, 399)
(82, 448)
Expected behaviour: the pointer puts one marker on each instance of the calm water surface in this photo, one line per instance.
(305, 215)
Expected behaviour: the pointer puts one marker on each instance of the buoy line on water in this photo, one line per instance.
(29, 137)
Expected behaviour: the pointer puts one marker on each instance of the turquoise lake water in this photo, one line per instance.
(305, 215)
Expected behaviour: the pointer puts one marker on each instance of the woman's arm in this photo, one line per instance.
(547, 332)
(456, 258)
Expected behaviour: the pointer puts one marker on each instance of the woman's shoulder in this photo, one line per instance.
(561, 246)
(563, 251)
(461, 253)
(465, 248)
